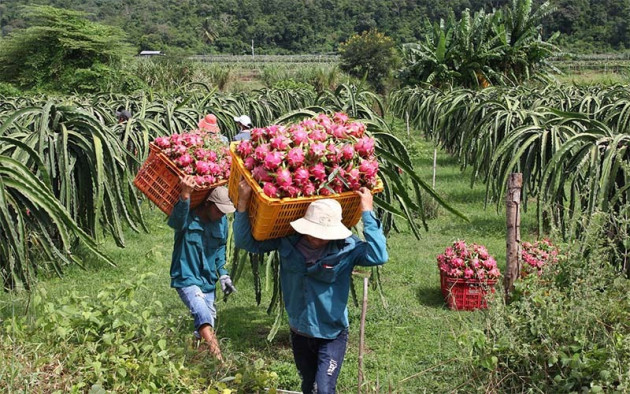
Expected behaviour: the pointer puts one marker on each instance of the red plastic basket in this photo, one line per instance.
(272, 217)
(466, 294)
(158, 179)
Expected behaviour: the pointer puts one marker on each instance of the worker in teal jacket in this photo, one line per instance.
(198, 260)
(315, 269)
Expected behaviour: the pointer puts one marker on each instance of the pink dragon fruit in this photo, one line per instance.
(249, 162)
(494, 273)
(200, 154)
(364, 146)
(324, 120)
(340, 118)
(177, 150)
(163, 142)
(202, 167)
(291, 191)
(334, 153)
(353, 175)
(272, 160)
(347, 152)
(258, 135)
(325, 191)
(308, 189)
(261, 152)
(356, 129)
(318, 171)
(299, 135)
(369, 168)
(309, 123)
(212, 156)
(295, 157)
(176, 139)
(261, 175)
(184, 160)
(338, 131)
(317, 150)
(283, 177)
(300, 176)
(280, 142)
(318, 135)
(274, 130)
(214, 168)
(270, 190)
(245, 148)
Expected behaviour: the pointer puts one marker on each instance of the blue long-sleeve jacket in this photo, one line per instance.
(199, 249)
(316, 297)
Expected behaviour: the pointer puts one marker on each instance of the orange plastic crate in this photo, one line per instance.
(158, 179)
(466, 294)
(271, 217)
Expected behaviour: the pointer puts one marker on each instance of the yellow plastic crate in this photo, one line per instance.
(271, 217)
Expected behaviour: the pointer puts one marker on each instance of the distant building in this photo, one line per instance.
(151, 53)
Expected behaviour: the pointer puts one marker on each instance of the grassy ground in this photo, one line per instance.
(411, 341)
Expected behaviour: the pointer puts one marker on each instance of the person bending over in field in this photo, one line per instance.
(198, 260)
(315, 269)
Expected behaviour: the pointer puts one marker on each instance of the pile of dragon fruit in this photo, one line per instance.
(198, 153)
(319, 156)
(468, 262)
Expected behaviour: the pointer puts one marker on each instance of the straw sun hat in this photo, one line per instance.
(322, 220)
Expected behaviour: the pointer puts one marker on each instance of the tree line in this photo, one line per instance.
(317, 26)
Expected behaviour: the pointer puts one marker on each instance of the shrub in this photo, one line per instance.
(57, 43)
(568, 332)
(371, 55)
(8, 90)
(108, 340)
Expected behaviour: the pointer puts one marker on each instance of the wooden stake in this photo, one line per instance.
(513, 232)
(362, 332)
(407, 118)
(434, 165)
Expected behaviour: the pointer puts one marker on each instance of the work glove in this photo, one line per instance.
(226, 285)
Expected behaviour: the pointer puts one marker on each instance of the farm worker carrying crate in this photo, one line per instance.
(209, 124)
(198, 260)
(315, 269)
(244, 124)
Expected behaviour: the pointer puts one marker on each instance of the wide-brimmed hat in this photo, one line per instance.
(209, 123)
(244, 120)
(219, 196)
(322, 220)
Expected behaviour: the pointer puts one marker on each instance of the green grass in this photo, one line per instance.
(594, 77)
(411, 341)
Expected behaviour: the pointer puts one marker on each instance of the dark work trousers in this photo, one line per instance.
(319, 361)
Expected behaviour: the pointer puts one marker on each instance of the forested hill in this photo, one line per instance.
(316, 26)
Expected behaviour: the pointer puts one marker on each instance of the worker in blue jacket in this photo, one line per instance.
(315, 269)
(198, 260)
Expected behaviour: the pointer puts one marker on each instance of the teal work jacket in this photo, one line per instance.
(199, 249)
(316, 296)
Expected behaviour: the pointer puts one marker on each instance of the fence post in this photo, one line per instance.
(513, 235)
